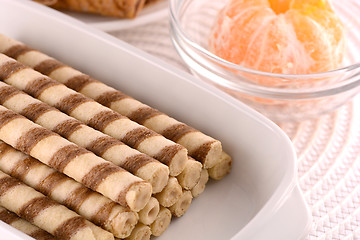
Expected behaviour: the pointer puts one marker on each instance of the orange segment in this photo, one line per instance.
(236, 28)
(279, 36)
(279, 6)
(310, 5)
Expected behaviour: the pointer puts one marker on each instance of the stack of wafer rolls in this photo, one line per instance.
(200, 146)
(93, 206)
(103, 145)
(113, 8)
(24, 226)
(93, 114)
(74, 161)
(46, 213)
(167, 163)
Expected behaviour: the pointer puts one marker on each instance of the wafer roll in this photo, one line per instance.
(100, 233)
(103, 145)
(200, 146)
(148, 214)
(161, 222)
(222, 168)
(182, 204)
(24, 226)
(93, 206)
(112, 8)
(190, 176)
(43, 212)
(74, 161)
(200, 186)
(93, 114)
(140, 232)
(170, 194)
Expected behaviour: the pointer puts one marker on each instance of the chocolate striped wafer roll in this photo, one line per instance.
(222, 168)
(200, 186)
(162, 222)
(74, 161)
(140, 232)
(93, 206)
(203, 148)
(182, 204)
(44, 212)
(93, 114)
(148, 214)
(101, 144)
(24, 226)
(190, 176)
(170, 194)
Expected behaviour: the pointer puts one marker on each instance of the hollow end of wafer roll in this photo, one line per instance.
(121, 225)
(138, 195)
(213, 155)
(161, 222)
(170, 194)
(200, 186)
(140, 232)
(222, 168)
(190, 176)
(148, 214)
(157, 174)
(182, 205)
(178, 162)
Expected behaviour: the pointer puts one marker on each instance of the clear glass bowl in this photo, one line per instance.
(290, 97)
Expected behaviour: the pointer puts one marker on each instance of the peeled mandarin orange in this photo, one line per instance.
(279, 36)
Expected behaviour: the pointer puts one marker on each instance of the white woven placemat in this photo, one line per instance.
(328, 148)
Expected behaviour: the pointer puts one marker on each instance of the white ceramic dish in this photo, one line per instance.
(260, 199)
(149, 14)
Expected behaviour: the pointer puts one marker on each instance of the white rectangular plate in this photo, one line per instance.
(258, 200)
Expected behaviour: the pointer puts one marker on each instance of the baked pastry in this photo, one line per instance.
(91, 205)
(78, 163)
(148, 214)
(203, 148)
(161, 222)
(190, 176)
(24, 226)
(46, 213)
(77, 132)
(112, 8)
(170, 194)
(93, 114)
(200, 186)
